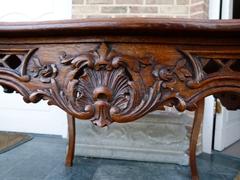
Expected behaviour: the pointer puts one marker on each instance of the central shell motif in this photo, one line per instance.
(104, 92)
(99, 84)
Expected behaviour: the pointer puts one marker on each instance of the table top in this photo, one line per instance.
(132, 26)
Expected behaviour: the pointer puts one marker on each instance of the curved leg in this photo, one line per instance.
(71, 140)
(194, 138)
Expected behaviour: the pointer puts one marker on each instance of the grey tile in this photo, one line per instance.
(20, 178)
(83, 168)
(219, 165)
(140, 171)
(43, 158)
(31, 160)
(65, 173)
(212, 176)
(34, 167)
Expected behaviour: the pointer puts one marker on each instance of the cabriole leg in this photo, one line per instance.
(194, 138)
(71, 140)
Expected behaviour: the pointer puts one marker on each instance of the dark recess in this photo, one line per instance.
(236, 9)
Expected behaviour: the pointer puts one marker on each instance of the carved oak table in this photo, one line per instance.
(118, 70)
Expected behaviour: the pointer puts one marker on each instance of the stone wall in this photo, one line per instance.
(142, 8)
(162, 137)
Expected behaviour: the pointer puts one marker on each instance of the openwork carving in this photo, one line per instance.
(10, 61)
(13, 63)
(211, 65)
(16, 59)
(105, 86)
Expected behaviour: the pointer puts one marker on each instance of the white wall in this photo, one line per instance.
(15, 115)
(35, 10)
(214, 9)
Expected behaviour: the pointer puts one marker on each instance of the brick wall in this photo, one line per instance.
(143, 8)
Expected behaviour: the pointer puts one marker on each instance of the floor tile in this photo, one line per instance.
(43, 159)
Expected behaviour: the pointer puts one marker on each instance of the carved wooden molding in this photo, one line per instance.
(105, 86)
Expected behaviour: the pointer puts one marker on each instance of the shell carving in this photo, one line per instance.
(104, 92)
(100, 84)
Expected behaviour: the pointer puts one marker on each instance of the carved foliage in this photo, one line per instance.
(173, 73)
(44, 72)
(169, 76)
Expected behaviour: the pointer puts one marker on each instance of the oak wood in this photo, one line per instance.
(71, 140)
(194, 138)
(118, 70)
(133, 26)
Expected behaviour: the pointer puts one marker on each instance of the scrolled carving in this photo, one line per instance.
(104, 86)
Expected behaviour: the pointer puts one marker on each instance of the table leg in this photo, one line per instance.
(194, 138)
(71, 140)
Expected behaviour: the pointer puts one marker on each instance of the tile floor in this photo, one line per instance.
(233, 150)
(43, 159)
